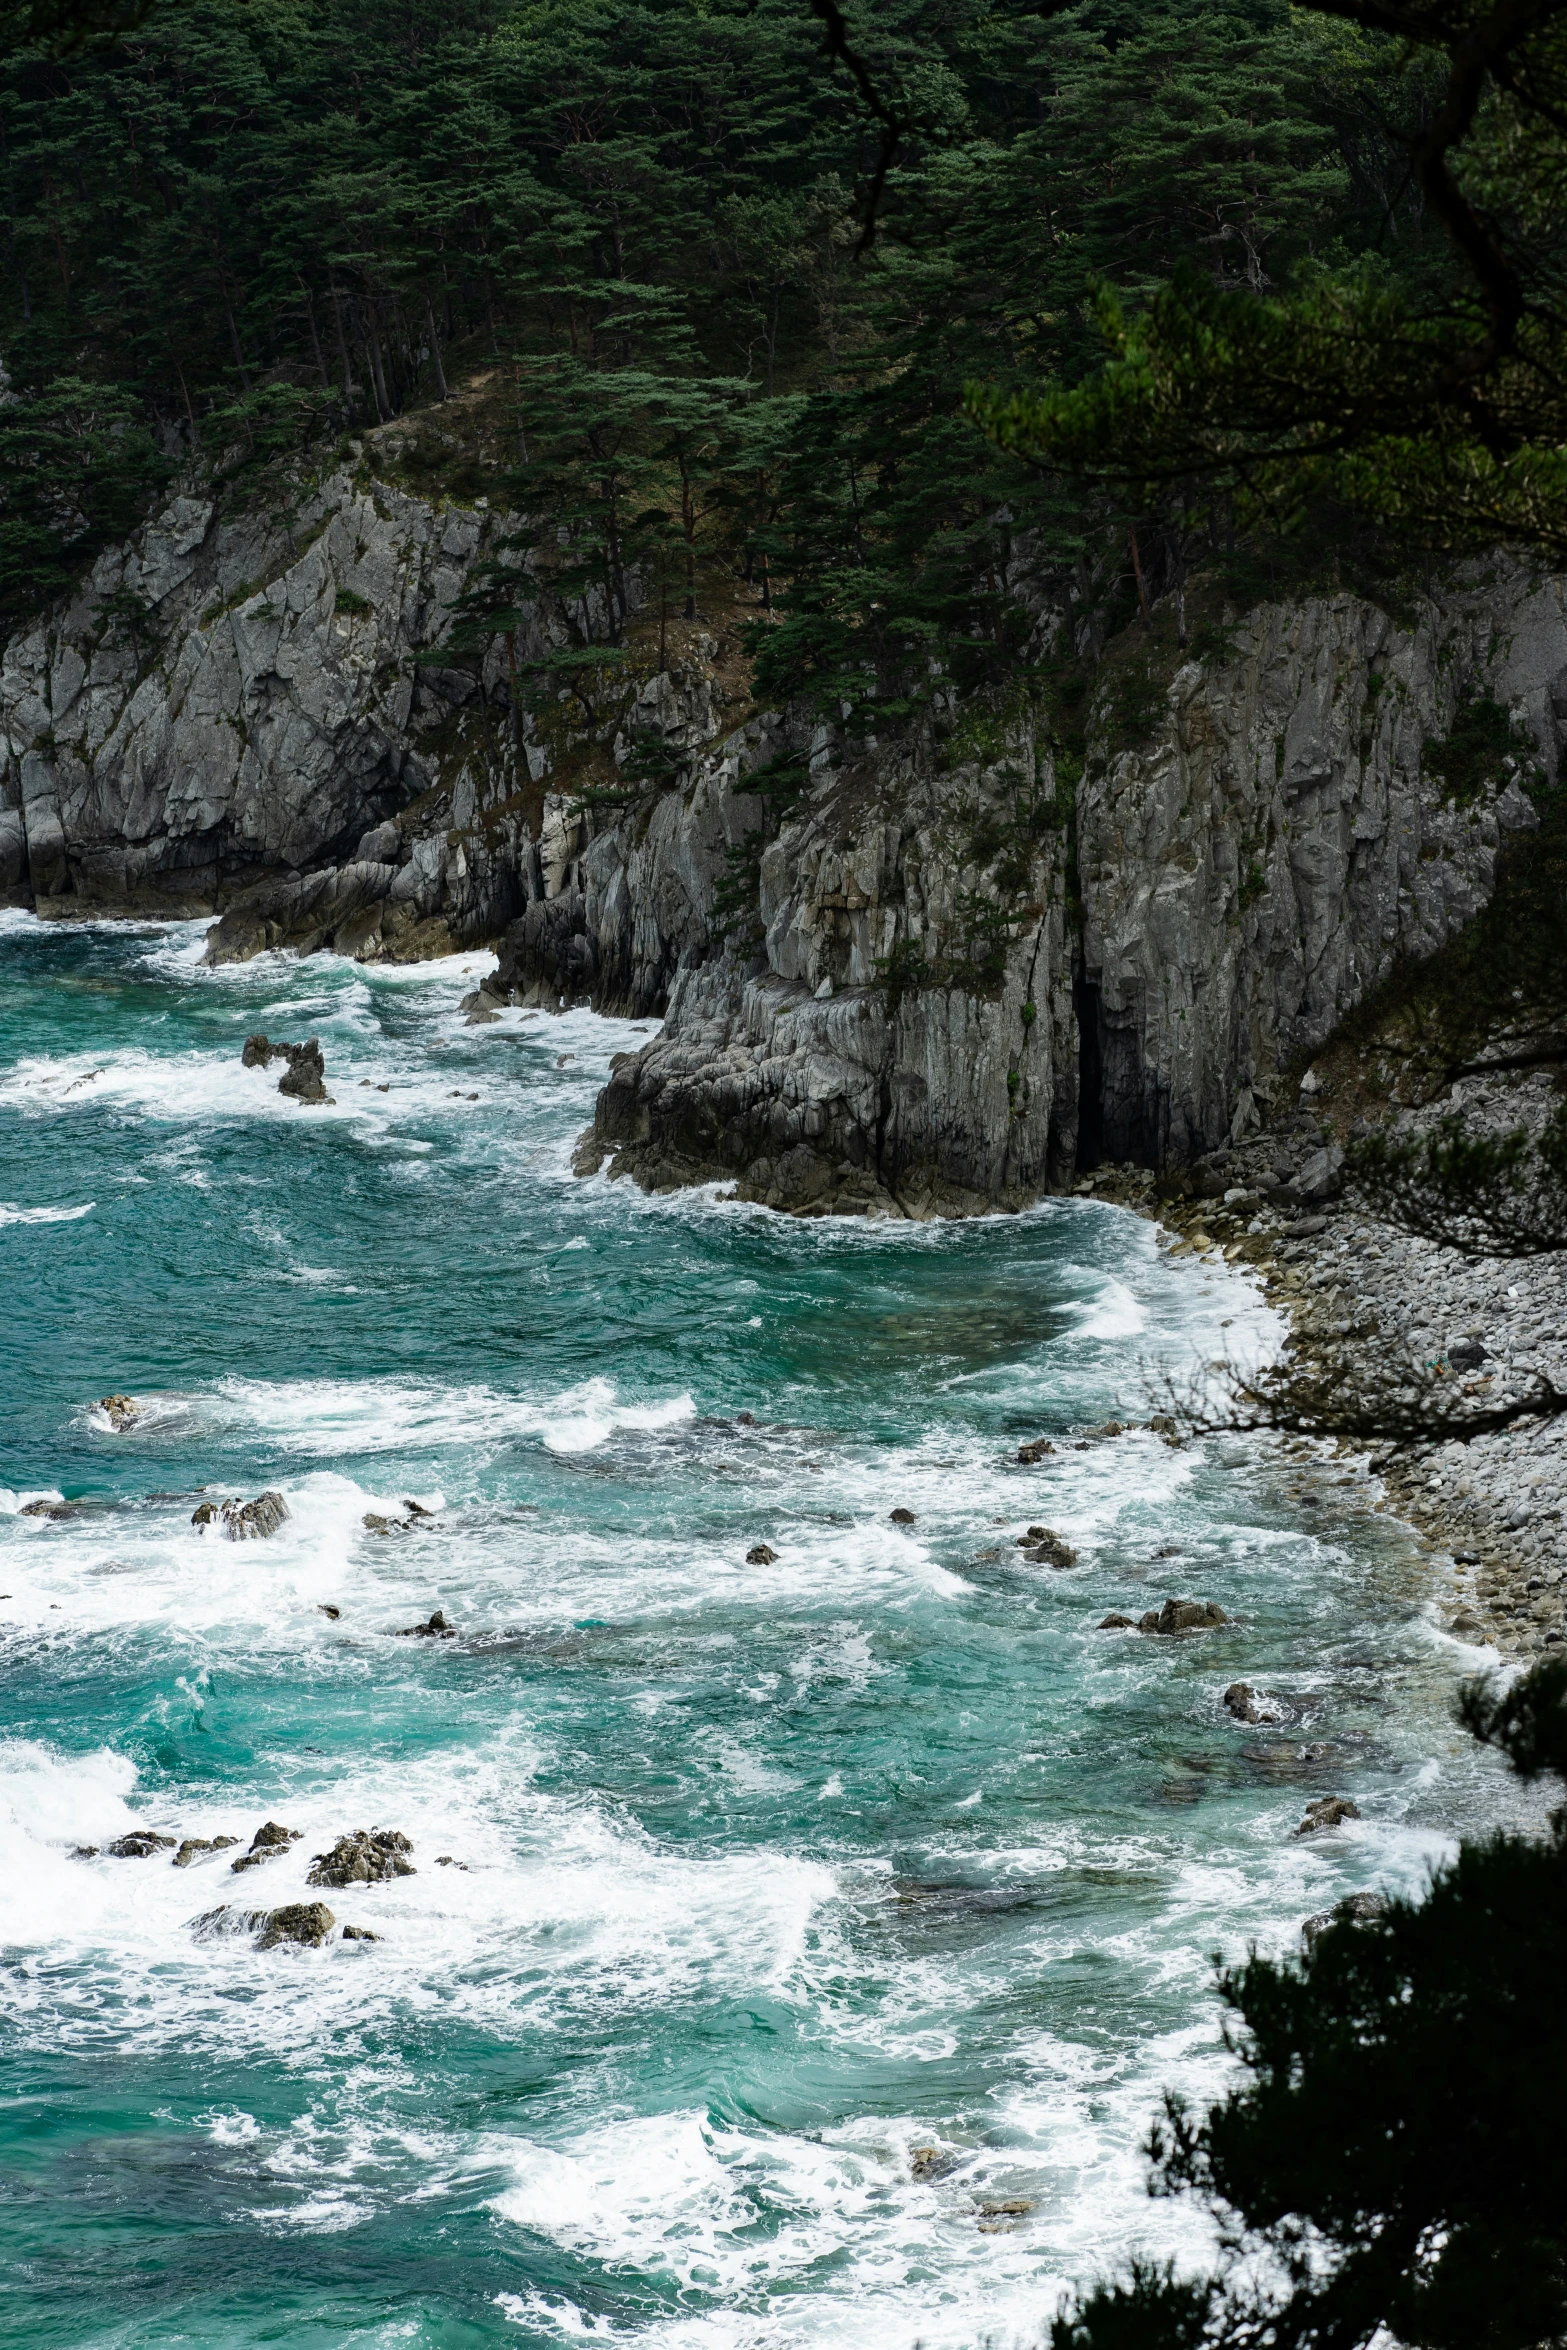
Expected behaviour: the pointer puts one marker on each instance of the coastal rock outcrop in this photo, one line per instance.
(939, 972)
(304, 1078)
(243, 1521)
(269, 1842)
(917, 1025)
(369, 1856)
(1182, 1615)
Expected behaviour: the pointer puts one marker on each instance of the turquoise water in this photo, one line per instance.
(769, 1874)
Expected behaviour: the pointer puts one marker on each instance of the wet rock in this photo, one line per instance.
(46, 1509)
(304, 1080)
(1329, 1811)
(1248, 1705)
(268, 1841)
(194, 1845)
(85, 1852)
(1355, 1906)
(930, 2162)
(1109, 1428)
(253, 1521)
(1028, 1454)
(1466, 1354)
(1168, 1550)
(370, 1856)
(436, 1629)
(206, 1513)
(1115, 1623)
(759, 1555)
(444, 1860)
(305, 1922)
(380, 1525)
(1013, 2209)
(139, 1844)
(1182, 1615)
(1162, 1424)
(325, 1608)
(121, 1411)
(359, 1934)
(902, 1517)
(416, 1509)
(1043, 1546)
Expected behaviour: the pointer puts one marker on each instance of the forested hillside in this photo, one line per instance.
(250, 226)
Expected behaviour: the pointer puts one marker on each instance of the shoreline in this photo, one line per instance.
(1488, 1511)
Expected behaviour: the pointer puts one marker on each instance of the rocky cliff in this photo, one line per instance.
(937, 975)
(234, 712)
(967, 981)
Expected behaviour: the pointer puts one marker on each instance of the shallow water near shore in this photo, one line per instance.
(762, 1876)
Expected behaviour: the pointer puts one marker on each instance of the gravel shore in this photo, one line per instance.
(1493, 1510)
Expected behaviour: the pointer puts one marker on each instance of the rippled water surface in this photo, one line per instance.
(762, 1876)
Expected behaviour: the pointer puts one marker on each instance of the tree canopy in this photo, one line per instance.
(245, 220)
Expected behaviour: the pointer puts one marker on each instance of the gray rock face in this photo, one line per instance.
(892, 1036)
(895, 981)
(232, 714)
(1246, 873)
(1251, 871)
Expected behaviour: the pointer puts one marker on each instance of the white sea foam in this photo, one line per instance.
(10, 1214)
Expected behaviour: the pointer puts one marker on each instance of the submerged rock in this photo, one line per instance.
(268, 1841)
(1182, 1615)
(1329, 1811)
(195, 1845)
(139, 1844)
(370, 1856)
(121, 1411)
(1028, 1454)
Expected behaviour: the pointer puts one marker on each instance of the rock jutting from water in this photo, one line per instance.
(369, 1856)
(304, 1080)
(139, 1844)
(1328, 1811)
(1182, 1615)
(1042, 1546)
(243, 1521)
(121, 1412)
(194, 1846)
(270, 1841)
